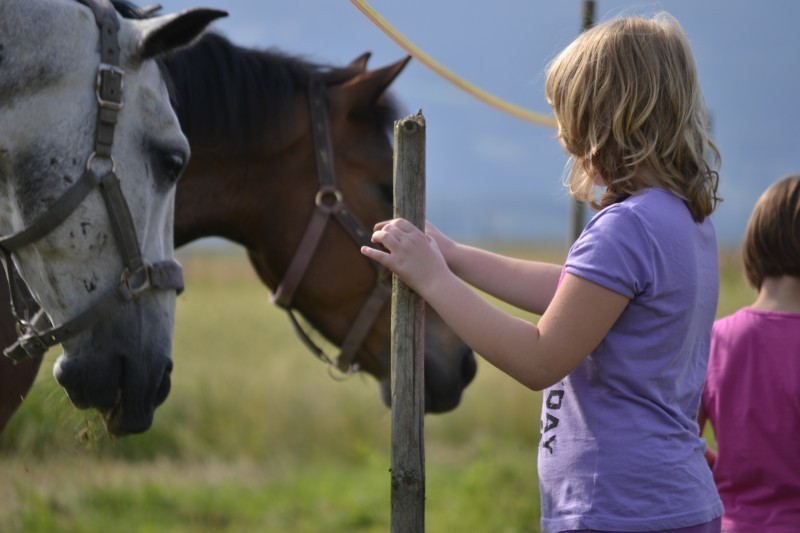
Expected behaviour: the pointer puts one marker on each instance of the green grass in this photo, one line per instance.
(257, 436)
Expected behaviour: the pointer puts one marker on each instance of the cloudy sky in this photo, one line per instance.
(491, 175)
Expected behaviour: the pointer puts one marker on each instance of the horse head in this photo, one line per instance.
(364, 167)
(255, 120)
(339, 293)
(90, 152)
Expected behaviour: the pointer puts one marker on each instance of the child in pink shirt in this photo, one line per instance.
(752, 390)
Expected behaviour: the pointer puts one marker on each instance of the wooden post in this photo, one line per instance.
(408, 340)
(578, 208)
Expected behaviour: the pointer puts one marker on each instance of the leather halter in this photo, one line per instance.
(329, 203)
(138, 275)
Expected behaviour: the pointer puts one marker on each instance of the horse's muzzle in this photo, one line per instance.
(125, 394)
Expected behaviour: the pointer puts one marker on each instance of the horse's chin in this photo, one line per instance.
(443, 387)
(433, 404)
(385, 390)
(108, 385)
(119, 424)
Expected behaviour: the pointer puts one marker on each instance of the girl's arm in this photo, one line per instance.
(528, 285)
(578, 317)
(702, 418)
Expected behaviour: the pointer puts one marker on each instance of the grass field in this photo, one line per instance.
(257, 436)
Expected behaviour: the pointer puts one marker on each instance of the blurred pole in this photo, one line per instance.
(578, 208)
(588, 15)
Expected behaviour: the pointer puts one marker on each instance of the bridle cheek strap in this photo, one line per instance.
(329, 203)
(37, 333)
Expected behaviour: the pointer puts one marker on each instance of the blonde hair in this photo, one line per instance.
(630, 111)
(772, 240)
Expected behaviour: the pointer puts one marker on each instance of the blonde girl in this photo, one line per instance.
(621, 348)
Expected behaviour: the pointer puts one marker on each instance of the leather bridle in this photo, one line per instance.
(36, 331)
(329, 202)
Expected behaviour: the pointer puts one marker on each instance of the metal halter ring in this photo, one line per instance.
(327, 198)
(95, 156)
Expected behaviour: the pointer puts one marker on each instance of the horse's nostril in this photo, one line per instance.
(164, 387)
(469, 367)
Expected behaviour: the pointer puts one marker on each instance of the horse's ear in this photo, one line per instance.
(341, 75)
(365, 89)
(360, 63)
(168, 32)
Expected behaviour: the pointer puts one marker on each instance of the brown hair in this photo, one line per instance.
(772, 239)
(630, 111)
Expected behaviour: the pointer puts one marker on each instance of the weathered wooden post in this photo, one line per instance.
(408, 340)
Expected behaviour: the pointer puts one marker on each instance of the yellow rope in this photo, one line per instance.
(512, 109)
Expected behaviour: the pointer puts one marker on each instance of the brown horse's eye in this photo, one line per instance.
(387, 192)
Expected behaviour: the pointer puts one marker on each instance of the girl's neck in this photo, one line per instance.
(779, 294)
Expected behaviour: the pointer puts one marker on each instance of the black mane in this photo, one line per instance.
(227, 94)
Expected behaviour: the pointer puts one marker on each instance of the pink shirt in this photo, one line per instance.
(752, 398)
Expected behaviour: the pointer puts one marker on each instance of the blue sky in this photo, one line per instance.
(494, 176)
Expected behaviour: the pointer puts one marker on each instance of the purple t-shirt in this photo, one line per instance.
(619, 446)
(752, 398)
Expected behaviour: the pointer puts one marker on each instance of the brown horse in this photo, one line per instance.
(255, 172)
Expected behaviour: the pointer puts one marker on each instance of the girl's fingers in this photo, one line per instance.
(383, 223)
(399, 223)
(384, 237)
(372, 253)
(378, 256)
(393, 232)
(395, 236)
(404, 225)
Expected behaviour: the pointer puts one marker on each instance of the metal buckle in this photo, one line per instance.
(34, 345)
(102, 70)
(30, 345)
(137, 281)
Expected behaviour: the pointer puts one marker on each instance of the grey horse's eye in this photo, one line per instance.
(170, 164)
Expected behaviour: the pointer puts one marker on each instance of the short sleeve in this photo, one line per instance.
(614, 252)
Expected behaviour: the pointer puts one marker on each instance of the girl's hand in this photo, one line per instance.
(412, 255)
(446, 245)
(711, 458)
